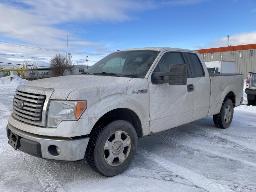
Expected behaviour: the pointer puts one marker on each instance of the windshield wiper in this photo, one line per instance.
(130, 75)
(113, 74)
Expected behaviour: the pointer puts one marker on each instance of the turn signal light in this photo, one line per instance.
(81, 106)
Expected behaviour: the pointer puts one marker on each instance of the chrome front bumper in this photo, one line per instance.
(67, 149)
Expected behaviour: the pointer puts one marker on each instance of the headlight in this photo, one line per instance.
(65, 111)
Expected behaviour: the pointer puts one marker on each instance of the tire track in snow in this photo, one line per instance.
(45, 178)
(214, 152)
(226, 138)
(241, 143)
(161, 175)
(197, 179)
(242, 152)
(219, 154)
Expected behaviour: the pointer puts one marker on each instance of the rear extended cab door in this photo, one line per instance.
(198, 85)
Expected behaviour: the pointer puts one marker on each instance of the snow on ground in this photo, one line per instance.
(11, 81)
(195, 158)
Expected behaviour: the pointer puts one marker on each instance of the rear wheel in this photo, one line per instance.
(225, 117)
(111, 149)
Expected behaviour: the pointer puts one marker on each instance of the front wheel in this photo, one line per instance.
(111, 149)
(225, 117)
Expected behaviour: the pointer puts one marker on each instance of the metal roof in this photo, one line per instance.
(229, 48)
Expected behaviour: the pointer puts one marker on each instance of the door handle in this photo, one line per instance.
(190, 87)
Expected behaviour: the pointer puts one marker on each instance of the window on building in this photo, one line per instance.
(221, 56)
(240, 54)
(81, 70)
(251, 53)
(212, 56)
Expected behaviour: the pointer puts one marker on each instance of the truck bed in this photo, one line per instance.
(224, 74)
(221, 85)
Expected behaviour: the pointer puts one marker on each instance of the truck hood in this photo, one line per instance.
(78, 86)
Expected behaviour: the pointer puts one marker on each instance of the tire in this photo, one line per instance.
(112, 148)
(250, 102)
(224, 119)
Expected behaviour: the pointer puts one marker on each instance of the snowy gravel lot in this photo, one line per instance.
(196, 157)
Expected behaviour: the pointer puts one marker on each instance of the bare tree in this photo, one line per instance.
(59, 64)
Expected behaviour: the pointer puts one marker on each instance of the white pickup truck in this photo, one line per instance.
(100, 115)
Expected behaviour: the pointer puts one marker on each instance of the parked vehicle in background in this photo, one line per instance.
(129, 94)
(251, 88)
(215, 67)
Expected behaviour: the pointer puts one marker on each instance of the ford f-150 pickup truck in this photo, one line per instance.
(100, 115)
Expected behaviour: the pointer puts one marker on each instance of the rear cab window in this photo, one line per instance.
(195, 66)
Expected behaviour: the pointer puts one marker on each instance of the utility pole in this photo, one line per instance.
(67, 41)
(228, 36)
(68, 54)
(67, 47)
(87, 60)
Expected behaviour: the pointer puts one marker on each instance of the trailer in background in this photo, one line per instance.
(251, 88)
(218, 67)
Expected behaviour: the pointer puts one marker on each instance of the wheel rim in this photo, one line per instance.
(228, 114)
(117, 148)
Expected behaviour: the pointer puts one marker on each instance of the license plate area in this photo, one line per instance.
(14, 140)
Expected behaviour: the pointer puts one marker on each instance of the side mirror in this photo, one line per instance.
(160, 78)
(176, 76)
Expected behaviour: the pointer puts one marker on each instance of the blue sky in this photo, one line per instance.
(39, 28)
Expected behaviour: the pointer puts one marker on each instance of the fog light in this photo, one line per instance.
(54, 150)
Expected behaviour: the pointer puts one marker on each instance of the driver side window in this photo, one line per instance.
(168, 59)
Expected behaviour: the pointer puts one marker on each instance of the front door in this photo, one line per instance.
(200, 84)
(170, 105)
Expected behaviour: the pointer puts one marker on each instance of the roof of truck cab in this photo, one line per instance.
(162, 49)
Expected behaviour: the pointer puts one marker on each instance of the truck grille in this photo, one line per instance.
(28, 107)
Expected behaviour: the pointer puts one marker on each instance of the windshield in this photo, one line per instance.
(125, 64)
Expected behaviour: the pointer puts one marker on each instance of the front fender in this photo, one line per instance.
(134, 103)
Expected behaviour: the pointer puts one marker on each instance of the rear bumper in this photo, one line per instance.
(66, 149)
